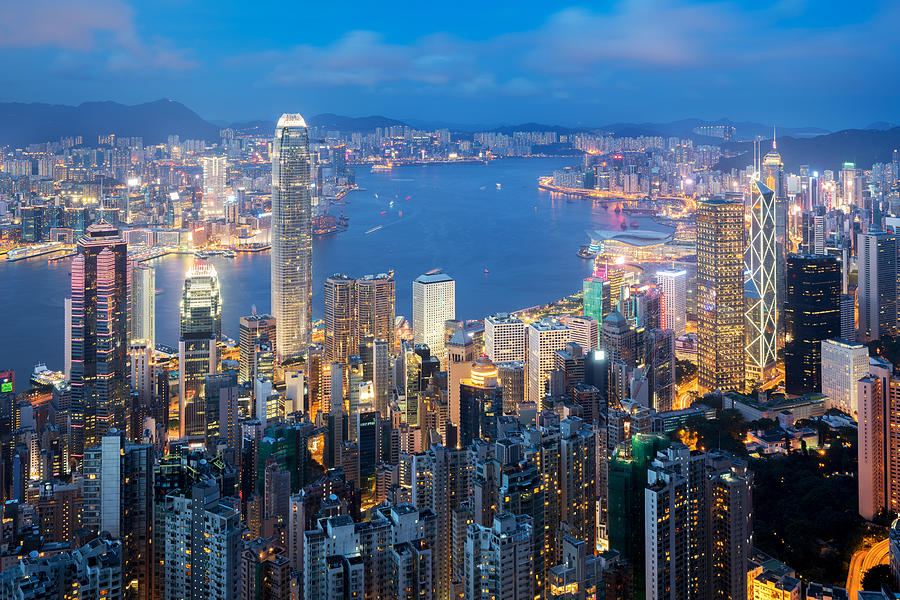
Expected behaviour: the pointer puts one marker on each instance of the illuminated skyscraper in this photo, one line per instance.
(215, 169)
(340, 309)
(772, 177)
(760, 292)
(481, 403)
(143, 303)
(291, 237)
(720, 286)
(375, 307)
(877, 291)
(99, 330)
(201, 327)
(596, 297)
(504, 337)
(434, 303)
(545, 337)
(254, 330)
(673, 285)
(812, 313)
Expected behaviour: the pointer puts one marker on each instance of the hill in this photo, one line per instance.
(22, 124)
(862, 146)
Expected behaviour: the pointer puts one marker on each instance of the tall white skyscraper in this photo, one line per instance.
(291, 237)
(545, 337)
(877, 291)
(143, 303)
(673, 285)
(844, 363)
(215, 169)
(434, 303)
(504, 337)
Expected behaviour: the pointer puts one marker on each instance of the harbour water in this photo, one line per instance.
(508, 246)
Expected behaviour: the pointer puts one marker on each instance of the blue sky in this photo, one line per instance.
(795, 62)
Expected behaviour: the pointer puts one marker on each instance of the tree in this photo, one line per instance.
(876, 577)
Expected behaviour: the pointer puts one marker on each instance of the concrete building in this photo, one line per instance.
(545, 337)
(673, 285)
(434, 303)
(504, 338)
(843, 364)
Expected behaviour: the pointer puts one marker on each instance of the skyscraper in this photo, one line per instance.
(143, 303)
(812, 313)
(434, 303)
(772, 177)
(481, 403)
(291, 237)
(877, 291)
(355, 309)
(99, 330)
(254, 330)
(376, 307)
(720, 285)
(673, 285)
(761, 289)
(844, 363)
(504, 337)
(201, 327)
(545, 337)
(340, 309)
(215, 169)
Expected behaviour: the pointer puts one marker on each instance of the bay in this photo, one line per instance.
(451, 216)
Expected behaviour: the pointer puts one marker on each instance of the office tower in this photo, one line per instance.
(627, 479)
(848, 316)
(619, 339)
(117, 497)
(201, 327)
(577, 481)
(91, 571)
(291, 233)
(499, 559)
(875, 402)
(731, 530)
(642, 306)
(202, 544)
(480, 403)
(673, 285)
(811, 315)
(813, 231)
(375, 357)
(254, 330)
(265, 571)
(340, 309)
(511, 375)
(434, 303)
(376, 307)
(143, 303)
(568, 369)
(843, 364)
(772, 177)
(99, 330)
(659, 362)
(877, 291)
(222, 412)
(142, 380)
(761, 288)
(215, 170)
(544, 337)
(720, 286)
(584, 331)
(504, 338)
(596, 297)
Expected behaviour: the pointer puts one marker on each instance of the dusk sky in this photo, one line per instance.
(795, 62)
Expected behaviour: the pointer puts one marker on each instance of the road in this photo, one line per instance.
(862, 561)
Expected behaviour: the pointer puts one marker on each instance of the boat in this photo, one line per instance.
(384, 212)
(499, 187)
(624, 226)
(486, 271)
(374, 229)
(42, 377)
(634, 223)
(229, 254)
(382, 167)
(343, 220)
(618, 210)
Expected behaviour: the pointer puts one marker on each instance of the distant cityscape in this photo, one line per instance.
(712, 413)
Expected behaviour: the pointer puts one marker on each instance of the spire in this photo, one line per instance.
(773, 137)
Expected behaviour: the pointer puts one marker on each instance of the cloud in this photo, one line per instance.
(103, 29)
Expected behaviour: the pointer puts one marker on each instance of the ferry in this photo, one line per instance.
(374, 229)
(32, 251)
(382, 167)
(43, 377)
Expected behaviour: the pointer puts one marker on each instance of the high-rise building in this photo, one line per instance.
(99, 331)
(499, 559)
(202, 544)
(504, 337)
(720, 284)
(376, 307)
(843, 364)
(545, 337)
(222, 413)
(117, 498)
(812, 314)
(434, 303)
(201, 327)
(673, 285)
(340, 321)
(254, 330)
(877, 291)
(480, 403)
(215, 169)
(584, 331)
(772, 177)
(291, 237)
(761, 325)
(596, 297)
(848, 316)
(265, 571)
(143, 303)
